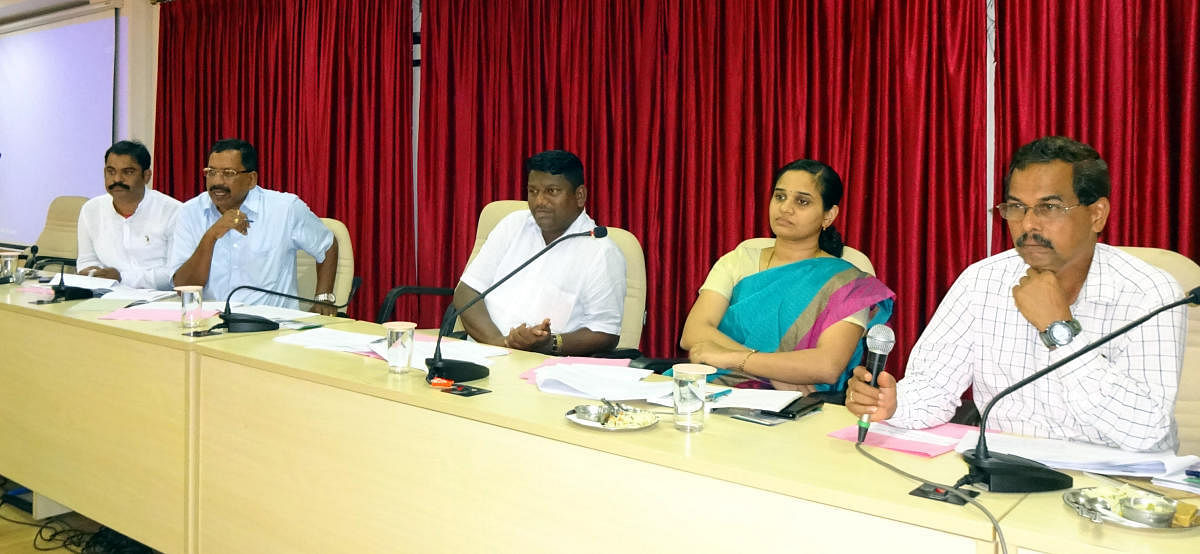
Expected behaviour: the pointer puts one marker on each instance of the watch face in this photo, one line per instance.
(1060, 333)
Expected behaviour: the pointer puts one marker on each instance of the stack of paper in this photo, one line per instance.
(600, 381)
(1061, 454)
(1177, 480)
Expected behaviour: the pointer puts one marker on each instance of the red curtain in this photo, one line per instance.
(322, 88)
(682, 109)
(1123, 76)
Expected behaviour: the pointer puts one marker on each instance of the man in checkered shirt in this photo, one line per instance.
(1019, 311)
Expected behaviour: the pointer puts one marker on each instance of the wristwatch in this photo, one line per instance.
(326, 297)
(556, 344)
(1060, 333)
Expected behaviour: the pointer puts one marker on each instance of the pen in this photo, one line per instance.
(717, 395)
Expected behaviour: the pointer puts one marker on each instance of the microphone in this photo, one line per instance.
(880, 340)
(30, 263)
(459, 370)
(250, 323)
(64, 292)
(1009, 473)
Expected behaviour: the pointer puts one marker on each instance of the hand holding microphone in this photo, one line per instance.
(871, 393)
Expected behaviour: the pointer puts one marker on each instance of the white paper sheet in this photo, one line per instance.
(600, 381)
(1061, 454)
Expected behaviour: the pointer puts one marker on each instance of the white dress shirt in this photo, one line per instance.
(579, 283)
(1121, 395)
(136, 246)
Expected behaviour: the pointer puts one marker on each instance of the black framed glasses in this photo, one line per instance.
(1015, 211)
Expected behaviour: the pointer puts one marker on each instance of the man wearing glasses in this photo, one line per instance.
(126, 233)
(1019, 311)
(241, 234)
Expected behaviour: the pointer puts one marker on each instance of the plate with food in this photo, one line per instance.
(622, 418)
(1129, 506)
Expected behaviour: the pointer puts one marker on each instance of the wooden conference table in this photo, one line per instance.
(238, 443)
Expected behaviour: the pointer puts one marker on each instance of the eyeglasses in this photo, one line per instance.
(228, 173)
(1015, 211)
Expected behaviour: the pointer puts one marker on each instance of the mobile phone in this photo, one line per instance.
(798, 407)
(754, 416)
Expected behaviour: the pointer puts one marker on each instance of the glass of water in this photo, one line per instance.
(191, 299)
(400, 345)
(688, 395)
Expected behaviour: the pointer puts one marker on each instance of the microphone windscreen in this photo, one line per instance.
(881, 339)
(600, 232)
(1193, 296)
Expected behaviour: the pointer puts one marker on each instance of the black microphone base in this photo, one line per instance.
(1009, 473)
(454, 370)
(247, 323)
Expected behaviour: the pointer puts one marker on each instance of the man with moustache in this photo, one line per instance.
(570, 300)
(241, 234)
(125, 235)
(1019, 311)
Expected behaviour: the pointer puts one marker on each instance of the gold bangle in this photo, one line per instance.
(742, 366)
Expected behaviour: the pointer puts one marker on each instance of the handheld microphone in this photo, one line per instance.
(250, 323)
(459, 370)
(880, 340)
(1009, 473)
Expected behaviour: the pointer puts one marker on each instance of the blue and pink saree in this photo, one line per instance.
(788, 307)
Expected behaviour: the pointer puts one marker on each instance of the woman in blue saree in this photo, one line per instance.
(788, 314)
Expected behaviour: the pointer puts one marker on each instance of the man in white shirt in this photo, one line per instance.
(126, 234)
(569, 301)
(1019, 311)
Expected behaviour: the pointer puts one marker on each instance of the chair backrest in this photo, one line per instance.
(633, 316)
(306, 266)
(60, 236)
(1187, 402)
(854, 256)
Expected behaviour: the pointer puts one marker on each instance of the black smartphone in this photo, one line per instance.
(798, 407)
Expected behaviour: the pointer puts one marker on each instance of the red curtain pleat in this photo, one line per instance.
(322, 88)
(1123, 76)
(681, 110)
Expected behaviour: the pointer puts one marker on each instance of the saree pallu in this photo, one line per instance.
(788, 307)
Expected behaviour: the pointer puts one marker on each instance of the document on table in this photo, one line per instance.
(83, 281)
(770, 400)
(1061, 454)
(600, 381)
(161, 311)
(454, 349)
(273, 313)
(324, 338)
(1176, 480)
(125, 293)
(931, 442)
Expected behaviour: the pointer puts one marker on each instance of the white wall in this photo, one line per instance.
(57, 107)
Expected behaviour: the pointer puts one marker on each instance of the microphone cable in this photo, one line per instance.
(954, 490)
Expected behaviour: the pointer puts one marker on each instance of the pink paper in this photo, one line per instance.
(952, 430)
(35, 290)
(131, 314)
(531, 374)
